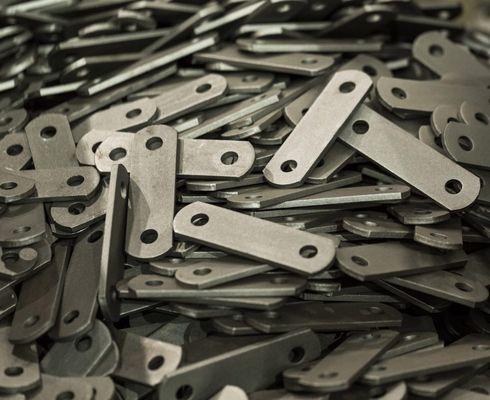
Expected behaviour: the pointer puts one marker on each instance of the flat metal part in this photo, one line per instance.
(414, 97)
(20, 368)
(39, 299)
(468, 351)
(149, 229)
(275, 355)
(282, 394)
(368, 262)
(274, 135)
(77, 215)
(304, 64)
(189, 97)
(411, 341)
(476, 268)
(112, 257)
(478, 383)
(333, 161)
(51, 142)
(211, 186)
(350, 195)
(145, 360)
(198, 311)
(54, 385)
(266, 196)
(341, 367)
(301, 252)
(466, 144)
(256, 127)
(15, 153)
(22, 225)
(129, 116)
(442, 56)
(442, 180)
(441, 116)
(309, 141)
(209, 273)
(248, 82)
(252, 303)
(8, 302)
(15, 262)
(233, 113)
(446, 235)
(13, 120)
(445, 285)
(79, 306)
(462, 394)
(80, 356)
(419, 213)
(377, 228)
(148, 64)
(14, 188)
(169, 266)
(277, 10)
(108, 363)
(426, 135)
(230, 392)
(233, 326)
(322, 317)
(149, 286)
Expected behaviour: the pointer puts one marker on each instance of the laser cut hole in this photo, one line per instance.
(10, 258)
(359, 261)
(75, 180)
(308, 251)
(203, 88)
(288, 166)
(347, 87)
(22, 229)
(328, 375)
(309, 61)
(202, 271)
(156, 363)
(229, 158)
(8, 185)
(279, 280)
(76, 209)
(371, 71)
(48, 132)
(117, 154)
(465, 143)
(133, 113)
(13, 371)
(149, 236)
(95, 236)
(463, 286)
(399, 93)
(296, 354)
(453, 186)
(67, 395)
(154, 143)
(15, 150)
(436, 50)
(360, 127)
(154, 283)
(71, 316)
(370, 223)
(250, 78)
(83, 344)
(5, 120)
(31, 321)
(199, 219)
(184, 392)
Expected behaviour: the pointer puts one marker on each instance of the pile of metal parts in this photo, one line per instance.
(251, 199)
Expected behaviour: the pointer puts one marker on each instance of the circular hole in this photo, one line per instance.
(31, 321)
(199, 219)
(66, 395)
(481, 347)
(480, 117)
(117, 153)
(250, 78)
(399, 93)
(296, 354)
(308, 251)
(83, 344)
(154, 283)
(5, 120)
(203, 88)
(359, 261)
(379, 368)
(371, 71)
(305, 369)
(383, 188)
(373, 18)
(436, 50)
(328, 375)
(347, 87)
(370, 223)
(8, 185)
(154, 143)
(309, 61)
(288, 166)
(10, 258)
(71, 316)
(465, 143)
(453, 186)
(463, 286)
(360, 127)
(15, 150)
(408, 338)
(479, 389)
(253, 197)
(279, 280)
(374, 310)
(156, 362)
(133, 113)
(202, 271)
(48, 132)
(95, 147)
(229, 158)
(22, 229)
(75, 180)
(149, 236)
(76, 208)
(438, 235)
(184, 392)
(95, 236)
(283, 8)
(14, 371)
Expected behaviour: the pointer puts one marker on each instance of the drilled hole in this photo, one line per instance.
(253, 197)
(156, 363)
(399, 93)
(8, 185)
(279, 280)
(288, 166)
(360, 127)
(133, 113)
(308, 251)
(480, 117)
(66, 395)
(5, 120)
(309, 61)
(202, 271)
(370, 223)
(31, 321)
(75, 180)
(15, 150)
(83, 344)
(465, 143)
(117, 153)
(453, 186)
(199, 219)
(10, 258)
(184, 392)
(359, 261)
(347, 87)
(371, 71)
(436, 50)
(203, 88)
(463, 286)
(22, 229)
(328, 375)
(229, 158)
(154, 143)
(48, 132)
(250, 78)
(95, 236)
(296, 354)
(13, 371)
(76, 208)
(149, 236)
(154, 283)
(71, 316)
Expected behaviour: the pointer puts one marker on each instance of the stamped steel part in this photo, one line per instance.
(309, 141)
(301, 252)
